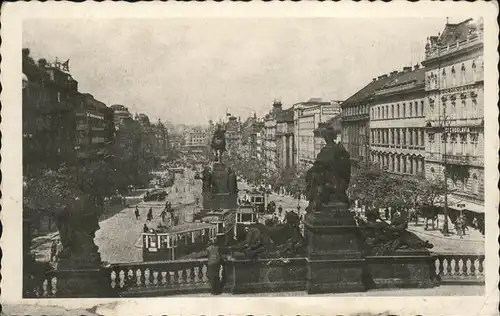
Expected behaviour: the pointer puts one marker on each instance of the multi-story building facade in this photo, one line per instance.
(120, 112)
(284, 139)
(307, 116)
(397, 123)
(48, 113)
(94, 127)
(233, 134)
(455, 112)
(270, 136)
(356, 119)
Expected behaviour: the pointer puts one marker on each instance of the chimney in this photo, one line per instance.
(416, 67)
(394, 72)
(384, 76)
(374, 79)
(406, 69)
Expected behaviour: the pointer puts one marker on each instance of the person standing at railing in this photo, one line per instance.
(214, 267)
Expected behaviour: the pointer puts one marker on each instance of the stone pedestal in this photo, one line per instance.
(335, 260)
(81, 281)
(406, 268)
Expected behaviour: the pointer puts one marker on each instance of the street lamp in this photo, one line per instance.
(444, 124)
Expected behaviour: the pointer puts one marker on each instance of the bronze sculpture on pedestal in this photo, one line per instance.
(328, 179)
(219, 142)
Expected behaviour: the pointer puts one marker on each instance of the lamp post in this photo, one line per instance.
(444, 124)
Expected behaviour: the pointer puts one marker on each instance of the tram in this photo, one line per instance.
(224, 221)
(176, 242)
(246, 215)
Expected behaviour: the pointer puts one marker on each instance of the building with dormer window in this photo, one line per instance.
(455, 118)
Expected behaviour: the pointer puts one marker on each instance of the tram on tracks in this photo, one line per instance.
(246, 215)
(176, 242)
(254, 198)
(224, 221)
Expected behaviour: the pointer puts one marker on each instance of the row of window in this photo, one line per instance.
(455, 143)
(403, 110)
(355, 110)
(456, 109)
(463, 184)
(452, 76)
(400, 163)
(398, 136)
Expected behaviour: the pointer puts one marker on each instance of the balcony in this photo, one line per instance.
(471, 40)
(462, 160)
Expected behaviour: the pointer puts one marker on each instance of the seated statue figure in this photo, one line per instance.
(328, 179)
(382, 238)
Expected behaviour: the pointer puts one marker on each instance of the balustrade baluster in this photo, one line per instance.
(481, 266)
(445, 267)
(53, 283)
(196, 274)
(147, 275)
(469, 267)
(204, 276)
(131, 279)
(45, 288)
(172, 277)
(188, 275)
(459, 266)
(180, 277)
(113, 279)
(138, 275)
(121, 278)
(164, 277)
(155, 278)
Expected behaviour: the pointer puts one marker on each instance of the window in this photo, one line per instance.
(403, 110)
(431, 142)
(378, 114)
(463, 144)
(397, 110)
(453, 76)
(454, 112)
(453, 144)
(410, 137)
(411, 109)
(443, 79)
(463, 109)
(422, 136)
(474, 109)
(474, 142)
(474, 71)
(462, 75)
(392, 110)
(444, 108)
(475, 184)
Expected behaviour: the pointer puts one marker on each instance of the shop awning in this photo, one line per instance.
(461, 205)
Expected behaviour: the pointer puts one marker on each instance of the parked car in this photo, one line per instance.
(155, 195)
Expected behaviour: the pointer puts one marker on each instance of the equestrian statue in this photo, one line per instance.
(219, 142)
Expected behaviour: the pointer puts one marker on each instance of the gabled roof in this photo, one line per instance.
(368, 91)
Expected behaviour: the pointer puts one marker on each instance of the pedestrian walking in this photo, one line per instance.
(150, 215)
(214, 267)
(137, 214)
(145, 228)
(163, 215)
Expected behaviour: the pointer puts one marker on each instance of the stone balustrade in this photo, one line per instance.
(459, 269)
(161, 278)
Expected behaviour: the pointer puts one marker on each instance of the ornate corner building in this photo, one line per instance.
(454, 118)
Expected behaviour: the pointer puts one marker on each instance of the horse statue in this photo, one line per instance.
(219, 142)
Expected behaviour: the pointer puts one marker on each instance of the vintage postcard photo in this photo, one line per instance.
(322, 159)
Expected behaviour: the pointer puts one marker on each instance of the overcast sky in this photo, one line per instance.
(191, 70)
